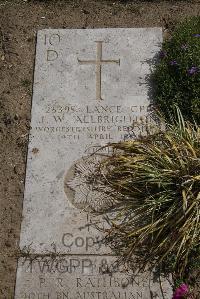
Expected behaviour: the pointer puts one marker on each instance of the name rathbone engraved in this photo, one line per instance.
(98, 62)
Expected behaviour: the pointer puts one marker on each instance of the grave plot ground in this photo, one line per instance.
(19, 22)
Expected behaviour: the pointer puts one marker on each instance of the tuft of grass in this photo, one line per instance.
(177, 75)
(26, 83)
(154, 187)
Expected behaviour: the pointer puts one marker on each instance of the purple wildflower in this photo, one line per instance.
(184, 47)
(181, 291)
(173, 62)
(162, 54)
(196, 35)
(193, 70)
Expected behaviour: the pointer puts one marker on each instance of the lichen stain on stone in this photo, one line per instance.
(35, 150)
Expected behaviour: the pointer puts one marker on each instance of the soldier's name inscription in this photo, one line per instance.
(86, 278)
(97, 121)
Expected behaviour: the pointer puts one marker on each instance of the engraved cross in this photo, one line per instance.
(98, 62)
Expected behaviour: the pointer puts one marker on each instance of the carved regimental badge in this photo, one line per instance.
(82, 188)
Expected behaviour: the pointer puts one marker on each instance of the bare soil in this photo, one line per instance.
(19, 23)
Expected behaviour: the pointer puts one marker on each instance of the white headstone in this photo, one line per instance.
(90, 88)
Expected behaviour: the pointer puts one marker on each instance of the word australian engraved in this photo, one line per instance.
(98, 62)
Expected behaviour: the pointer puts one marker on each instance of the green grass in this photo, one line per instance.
(26, 83)
(177, 75)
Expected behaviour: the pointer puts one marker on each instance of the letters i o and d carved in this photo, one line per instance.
(52, 41)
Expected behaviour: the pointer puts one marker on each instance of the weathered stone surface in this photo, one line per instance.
(77, 107)
(90, 88)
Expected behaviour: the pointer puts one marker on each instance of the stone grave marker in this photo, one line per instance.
(90, 88)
